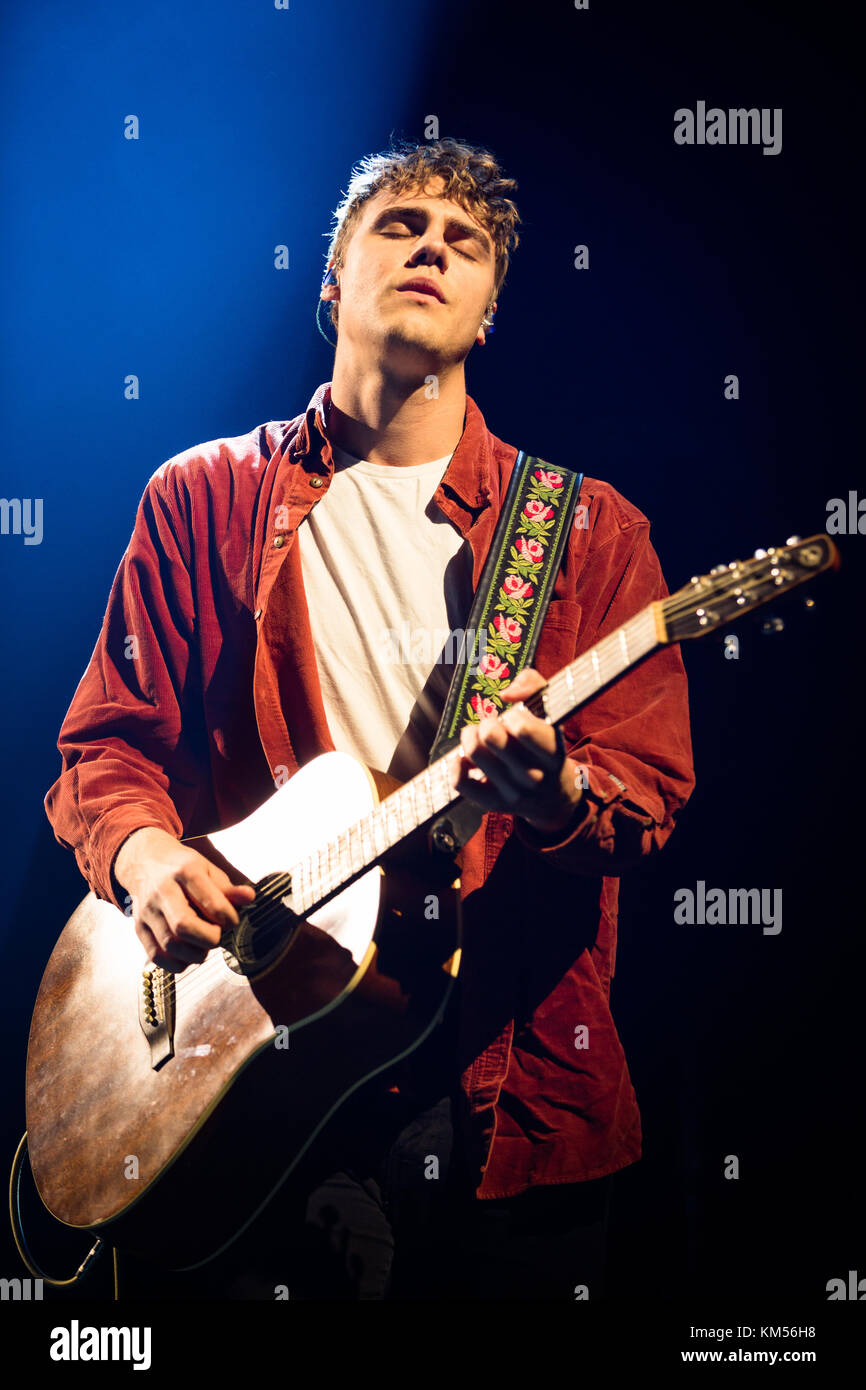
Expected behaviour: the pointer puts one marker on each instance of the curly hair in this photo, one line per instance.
(471, 177)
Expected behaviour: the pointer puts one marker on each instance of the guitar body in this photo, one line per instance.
(167, 1126)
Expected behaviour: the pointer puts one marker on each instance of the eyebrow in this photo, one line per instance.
(453, 223)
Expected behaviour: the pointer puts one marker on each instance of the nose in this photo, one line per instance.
(431, 251)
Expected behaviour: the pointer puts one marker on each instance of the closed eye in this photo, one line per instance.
(389, 232)
(412, 220)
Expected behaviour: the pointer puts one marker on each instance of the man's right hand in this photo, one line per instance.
(181, 902)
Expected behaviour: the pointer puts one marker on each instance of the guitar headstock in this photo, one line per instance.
(727, 591)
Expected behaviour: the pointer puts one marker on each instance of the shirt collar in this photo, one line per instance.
(469, 471)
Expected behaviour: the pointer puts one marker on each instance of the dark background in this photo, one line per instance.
(155, 257)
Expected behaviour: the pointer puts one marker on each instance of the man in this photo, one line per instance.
(245, 635)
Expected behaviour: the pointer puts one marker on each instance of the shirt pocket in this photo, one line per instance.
(559, 633)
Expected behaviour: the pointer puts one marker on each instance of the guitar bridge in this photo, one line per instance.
(156, 1012)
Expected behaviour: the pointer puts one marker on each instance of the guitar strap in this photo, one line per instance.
(507, 613)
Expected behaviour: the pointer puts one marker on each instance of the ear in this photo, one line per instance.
(330, 291)
(481, 335)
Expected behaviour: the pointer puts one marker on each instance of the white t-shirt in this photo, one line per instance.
(388, 580)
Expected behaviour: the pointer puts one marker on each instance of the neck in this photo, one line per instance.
(377, 417)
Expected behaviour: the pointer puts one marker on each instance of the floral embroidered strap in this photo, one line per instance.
(516, 585)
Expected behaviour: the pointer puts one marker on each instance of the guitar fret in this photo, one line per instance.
(355, 854)
(324, 871)
(314, 873)
(445, 789)
(394, 822)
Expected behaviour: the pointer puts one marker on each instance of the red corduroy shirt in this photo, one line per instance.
(223, 695)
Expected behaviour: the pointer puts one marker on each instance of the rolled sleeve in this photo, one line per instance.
(127, 740)
(631, 743)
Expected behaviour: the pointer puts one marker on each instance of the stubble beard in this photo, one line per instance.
(418, 349)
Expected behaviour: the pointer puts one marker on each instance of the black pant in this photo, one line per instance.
(382, 1207)
(374, 1214)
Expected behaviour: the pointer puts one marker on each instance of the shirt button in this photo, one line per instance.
(258, 613)
(316, 482)
(279, 540)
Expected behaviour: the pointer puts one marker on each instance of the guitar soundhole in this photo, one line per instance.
(264, 931)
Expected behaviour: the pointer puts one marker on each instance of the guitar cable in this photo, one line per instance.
(18, 1230)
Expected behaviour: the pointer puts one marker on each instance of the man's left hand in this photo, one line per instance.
(514, 763)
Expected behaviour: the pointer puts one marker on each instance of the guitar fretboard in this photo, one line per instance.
(335, 865)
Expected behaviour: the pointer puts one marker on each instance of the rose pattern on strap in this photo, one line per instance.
(507, 632)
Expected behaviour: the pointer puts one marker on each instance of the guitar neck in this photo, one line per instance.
(319, 876)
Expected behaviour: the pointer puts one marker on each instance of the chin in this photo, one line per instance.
(414, 340)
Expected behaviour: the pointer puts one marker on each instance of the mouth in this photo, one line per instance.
(424, 287)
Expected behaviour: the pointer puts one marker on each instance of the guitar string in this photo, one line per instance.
(681, 602)
(186, 984)
(277, 888)
(274, 891)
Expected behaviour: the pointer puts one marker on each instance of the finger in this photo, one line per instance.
(504, 770)
(164, 959)
(538, 741)
(520, 741)
(525, 683)
(483, 793)
(240, 893)
(210, 902)
(506, 775)
(183, 921)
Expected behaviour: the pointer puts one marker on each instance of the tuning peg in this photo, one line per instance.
(793, 540)
(772, 625)
(760, 554)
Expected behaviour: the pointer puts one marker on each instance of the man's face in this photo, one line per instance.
(401, 240)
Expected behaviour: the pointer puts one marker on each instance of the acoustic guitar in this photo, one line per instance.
(163, 1110)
